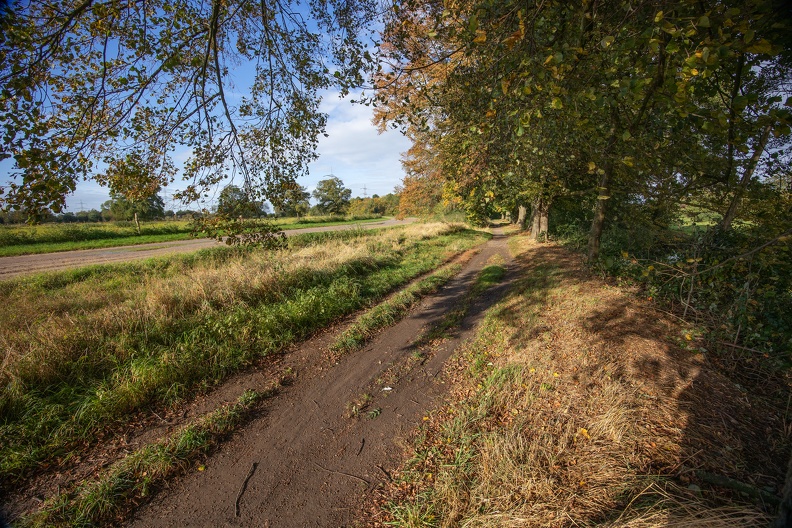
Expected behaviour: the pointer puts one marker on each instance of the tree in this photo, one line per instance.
(332, 196)
(121, 208)
(87, 83)
(293, 200)
(619, 104)
(234, 202)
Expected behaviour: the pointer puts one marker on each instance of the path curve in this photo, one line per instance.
(26, 264)
(314, 464)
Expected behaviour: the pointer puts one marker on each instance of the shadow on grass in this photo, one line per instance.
(722, 427)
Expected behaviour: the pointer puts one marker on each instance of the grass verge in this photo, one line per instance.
(576, 407)
(84, 350)
(24, 240)
(102, 499)
(390, 311)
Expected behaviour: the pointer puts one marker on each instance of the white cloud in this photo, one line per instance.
(353, 151)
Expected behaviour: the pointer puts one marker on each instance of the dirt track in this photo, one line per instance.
(314, 461)
(25, 264)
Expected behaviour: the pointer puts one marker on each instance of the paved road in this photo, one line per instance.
(24, 264)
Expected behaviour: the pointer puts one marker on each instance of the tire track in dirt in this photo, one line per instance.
(315, 462)
(26, 264)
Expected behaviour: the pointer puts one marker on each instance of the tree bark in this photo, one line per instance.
(137, 223)
(522, 215)
(539, 217)
(731, 213)
(595, 235)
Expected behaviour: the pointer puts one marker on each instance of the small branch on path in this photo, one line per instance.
(361, 479)
(244, 487)
(388, 475)
(362, 443)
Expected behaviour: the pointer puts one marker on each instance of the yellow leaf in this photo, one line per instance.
(688, 337)
(201, 468)
(481, 36)
(584, 432)
(694, 72)
(628, 160)
(555, 374)
(592, 166)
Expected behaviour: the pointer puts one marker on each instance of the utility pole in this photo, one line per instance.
(81, 206)
(365, 194)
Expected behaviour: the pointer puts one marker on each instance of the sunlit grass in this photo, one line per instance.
(84, 349)
(53, 238)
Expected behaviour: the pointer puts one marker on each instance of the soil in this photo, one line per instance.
(25, 264)
(335, 433)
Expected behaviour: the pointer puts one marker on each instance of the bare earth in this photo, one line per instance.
(313, 459)
(25, 264)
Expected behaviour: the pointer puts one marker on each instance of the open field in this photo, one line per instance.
(26, 264)
(578, 404)
(111, 340)
(53, 238)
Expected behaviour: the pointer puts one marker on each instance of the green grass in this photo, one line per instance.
(101, 499)
(53, 238)
(487, 278)
(108, 341)
(390, 311)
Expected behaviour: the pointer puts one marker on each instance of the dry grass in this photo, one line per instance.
(83, 349)
(580, 409)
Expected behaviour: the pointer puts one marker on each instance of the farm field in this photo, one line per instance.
(27, 264)
(113, 341)
(53, 238)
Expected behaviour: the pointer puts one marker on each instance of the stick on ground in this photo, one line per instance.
(244, 487)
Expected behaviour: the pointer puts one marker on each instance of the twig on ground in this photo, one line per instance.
(388, 475)
(726, 482)
(342, 473)
(244, 487)
(362, 443)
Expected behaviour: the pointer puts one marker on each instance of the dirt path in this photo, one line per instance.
(25, 264)
(314, 457)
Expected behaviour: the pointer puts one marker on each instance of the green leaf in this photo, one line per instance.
(704, 22)
(607, 41)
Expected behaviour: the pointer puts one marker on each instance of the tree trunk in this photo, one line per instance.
(137, 224)
(539, 214)
(731, 213)
(595, 235)
(522, 215)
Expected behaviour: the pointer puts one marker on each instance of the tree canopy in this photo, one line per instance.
(86, 84)
(654, 133)
(236, 202)
(331, 196)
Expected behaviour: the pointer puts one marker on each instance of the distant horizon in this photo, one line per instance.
(354, 151)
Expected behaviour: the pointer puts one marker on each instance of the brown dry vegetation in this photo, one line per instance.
(580, 404)
(84, 349)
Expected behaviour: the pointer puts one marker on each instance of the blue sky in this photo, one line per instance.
(353, 151)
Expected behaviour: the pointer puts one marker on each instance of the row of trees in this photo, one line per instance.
(612, 121)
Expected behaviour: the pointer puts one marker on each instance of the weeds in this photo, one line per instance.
(133, 477)
(85, 349)
(560, 422)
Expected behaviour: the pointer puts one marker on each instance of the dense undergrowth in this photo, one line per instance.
(85, 349)
(735, 285)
